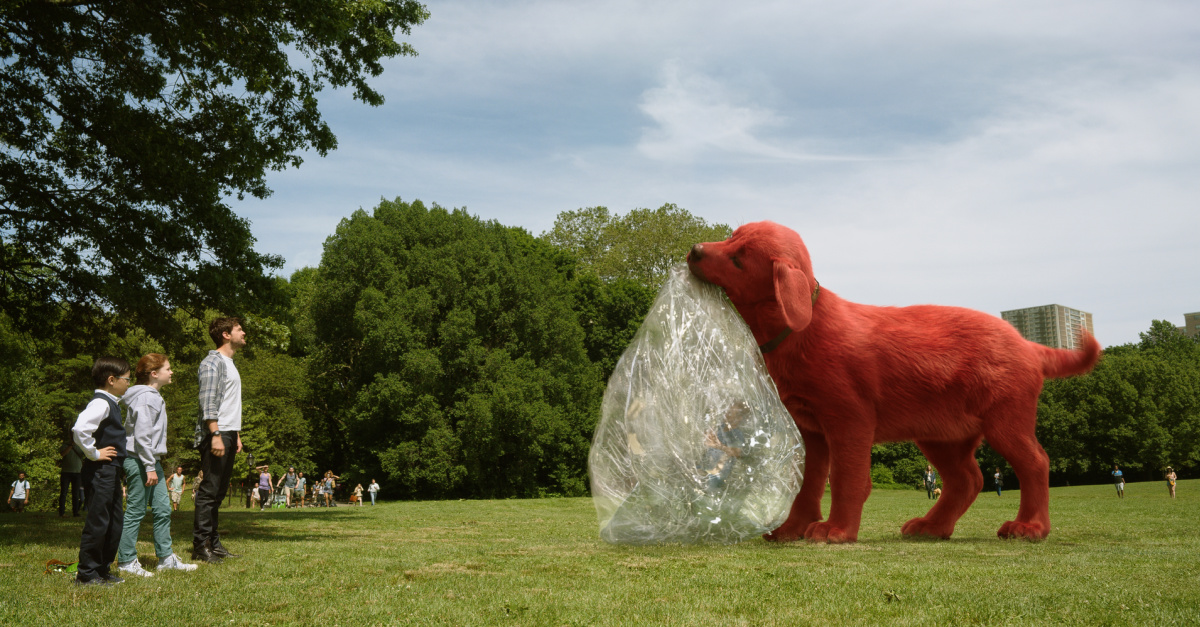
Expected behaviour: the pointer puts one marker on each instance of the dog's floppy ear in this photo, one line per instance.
(794, 295)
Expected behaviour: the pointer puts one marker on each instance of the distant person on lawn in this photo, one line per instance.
(930, 480)
(196, 484)
(289, 484)
(330, 484)
(264, 488)
(1119, 480)
(373, 489)
(18, 494)
(175, 486)
(71, 463)
(1171, 481)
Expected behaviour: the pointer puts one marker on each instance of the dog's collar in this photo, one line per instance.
(783, 335)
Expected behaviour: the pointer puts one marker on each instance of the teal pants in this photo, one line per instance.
(140, 496)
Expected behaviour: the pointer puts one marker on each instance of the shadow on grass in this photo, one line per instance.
(63, 534)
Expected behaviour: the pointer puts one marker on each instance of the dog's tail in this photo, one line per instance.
(1058, 363)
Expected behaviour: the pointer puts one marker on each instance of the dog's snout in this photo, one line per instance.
(696, 253)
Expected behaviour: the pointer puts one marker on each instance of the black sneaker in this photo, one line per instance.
(203, 554)
(221, 552)
(98, 581)
(112, 579)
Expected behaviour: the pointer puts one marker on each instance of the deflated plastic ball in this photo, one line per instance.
(693, 443)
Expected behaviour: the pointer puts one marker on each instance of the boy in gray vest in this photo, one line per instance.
(100, 435)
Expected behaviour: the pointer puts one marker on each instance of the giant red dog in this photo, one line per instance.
(852, 375)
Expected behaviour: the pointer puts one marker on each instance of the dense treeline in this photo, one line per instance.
(448, 356)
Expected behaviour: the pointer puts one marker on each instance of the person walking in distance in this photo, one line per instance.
(264, 487)
(1170, 482)
(18, 494)
(68, 479)
(176, 484)
(289, 484)
(374, 490)
(218, 435)
(931, 479)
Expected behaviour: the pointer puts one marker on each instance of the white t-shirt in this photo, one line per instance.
(229, 414)
(19, 488)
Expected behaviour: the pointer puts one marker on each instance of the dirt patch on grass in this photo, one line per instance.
(441, 569)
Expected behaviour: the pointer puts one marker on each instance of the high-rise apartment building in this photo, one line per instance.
(1191, 325)
(1055, 326)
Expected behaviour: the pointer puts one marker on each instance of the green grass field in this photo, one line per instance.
(540, 562)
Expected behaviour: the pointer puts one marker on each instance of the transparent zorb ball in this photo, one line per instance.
(693, 443)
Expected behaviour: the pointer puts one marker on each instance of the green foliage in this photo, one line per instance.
(126, 125)
(881, 476)
(903, 461)
(1139, 408)
(28, 442)
(640, 246)
(449, 356)
(610, 313)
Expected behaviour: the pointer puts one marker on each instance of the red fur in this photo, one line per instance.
(852, 375)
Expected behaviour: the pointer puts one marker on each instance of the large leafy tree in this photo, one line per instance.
(1139, 408)
(448, 356)
(126, 126)
(641, 245)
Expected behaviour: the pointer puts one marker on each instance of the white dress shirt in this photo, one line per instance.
(89, 420)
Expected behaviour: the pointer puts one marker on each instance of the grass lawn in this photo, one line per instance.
(540, 562)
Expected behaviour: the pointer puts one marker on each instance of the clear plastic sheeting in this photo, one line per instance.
(693, 444)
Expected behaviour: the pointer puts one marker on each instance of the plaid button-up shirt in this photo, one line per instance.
(212, 376)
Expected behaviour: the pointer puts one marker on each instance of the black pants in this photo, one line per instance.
(105, 517)
(68, 481)
(217, 471)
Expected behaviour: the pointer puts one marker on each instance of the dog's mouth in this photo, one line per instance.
(693, 260)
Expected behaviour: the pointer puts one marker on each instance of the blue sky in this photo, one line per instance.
(992, 155)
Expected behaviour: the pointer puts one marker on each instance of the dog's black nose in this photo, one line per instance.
(696, 254)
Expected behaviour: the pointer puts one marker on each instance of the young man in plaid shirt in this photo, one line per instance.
(217, 435)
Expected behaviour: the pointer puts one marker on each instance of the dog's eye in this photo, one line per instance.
(736, 263)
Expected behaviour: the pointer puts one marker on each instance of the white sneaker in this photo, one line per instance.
(172, 562)
(134, 567)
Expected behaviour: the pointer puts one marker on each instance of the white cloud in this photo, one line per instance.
(696, 115)
(991, 155)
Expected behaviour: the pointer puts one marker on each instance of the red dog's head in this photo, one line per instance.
(761, 262)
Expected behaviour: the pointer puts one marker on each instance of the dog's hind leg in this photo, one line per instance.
(962, 481)
(1010, 430)
(806, 507)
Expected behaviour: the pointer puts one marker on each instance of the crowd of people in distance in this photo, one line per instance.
(293, 489)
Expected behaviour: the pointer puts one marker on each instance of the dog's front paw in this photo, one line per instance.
(925, 528)
(828, 532)
(789, 531)
(781, 535)
(1024, 531)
